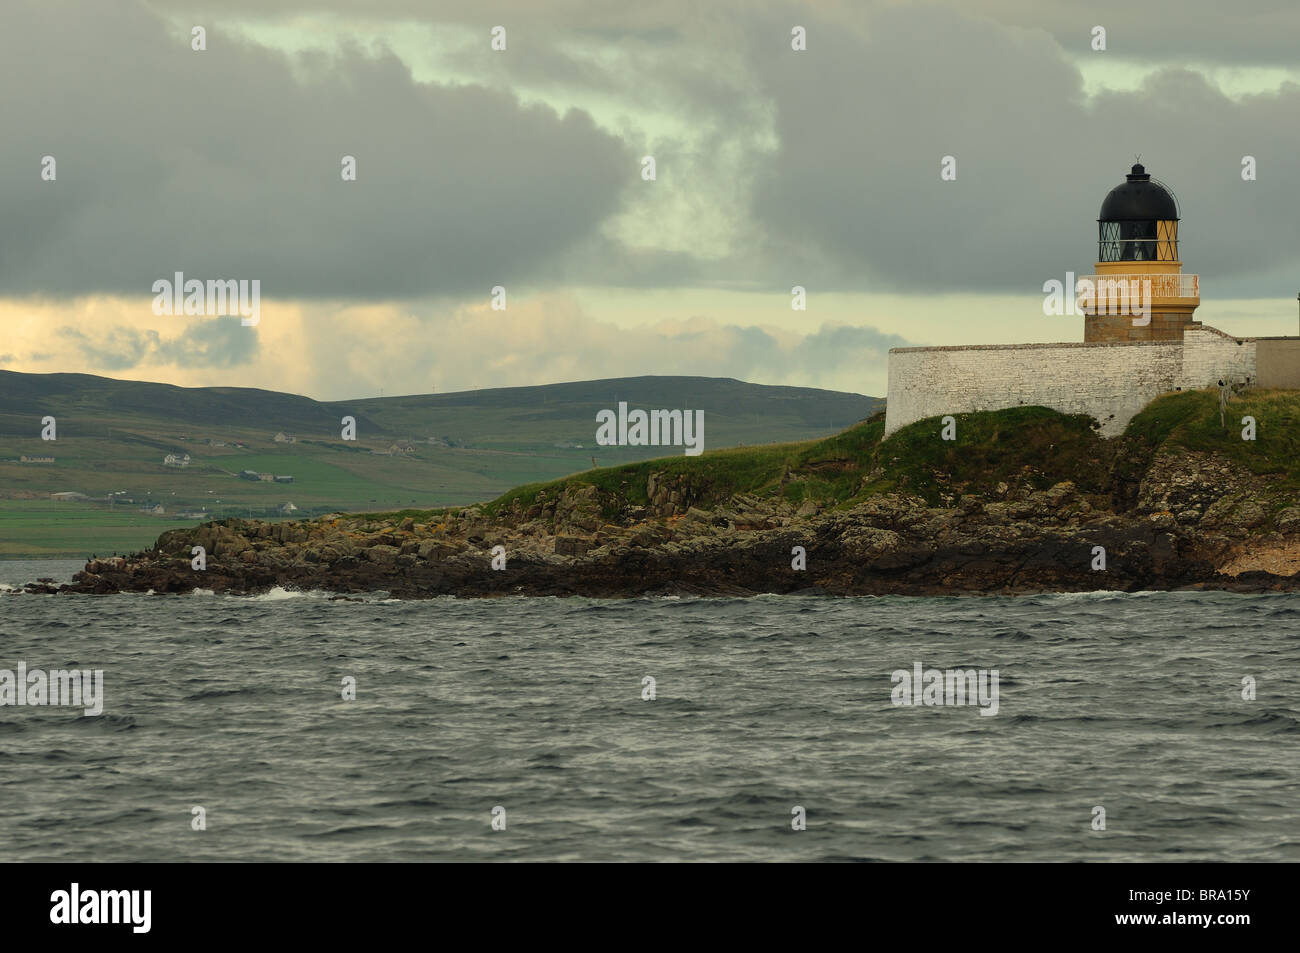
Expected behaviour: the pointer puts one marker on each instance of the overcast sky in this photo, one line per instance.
(523, 168)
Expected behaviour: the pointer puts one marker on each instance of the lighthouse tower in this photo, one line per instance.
(1137, 263)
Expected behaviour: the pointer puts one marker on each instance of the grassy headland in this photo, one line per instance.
(1022, 500)
(1027, 447)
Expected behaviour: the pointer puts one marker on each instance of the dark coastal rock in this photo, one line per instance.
(1288, 521)
(573, 545)
(1187, 521)
(948, 553)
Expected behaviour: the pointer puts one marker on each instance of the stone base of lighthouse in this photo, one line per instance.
(1123, 287)
(1114, 328)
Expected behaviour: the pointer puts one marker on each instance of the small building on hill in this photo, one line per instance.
(395, 450)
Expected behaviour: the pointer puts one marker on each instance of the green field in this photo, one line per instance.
(462, 448)
(36, 528)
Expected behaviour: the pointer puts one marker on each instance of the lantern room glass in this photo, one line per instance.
(1137, 241)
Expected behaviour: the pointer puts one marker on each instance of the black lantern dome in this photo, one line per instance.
(1138, 221)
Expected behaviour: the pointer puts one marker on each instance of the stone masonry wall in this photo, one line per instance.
(1163, 326)
(1209, 355)
(1111, 382)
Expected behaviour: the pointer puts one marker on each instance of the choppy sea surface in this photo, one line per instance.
(1128, 702)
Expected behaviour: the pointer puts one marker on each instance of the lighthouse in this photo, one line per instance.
(1137, 255)
(1140, 340)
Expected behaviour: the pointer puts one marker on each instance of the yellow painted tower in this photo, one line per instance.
(1138, 265)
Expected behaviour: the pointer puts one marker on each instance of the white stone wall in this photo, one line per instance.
(1109, 381)
(1209, 356)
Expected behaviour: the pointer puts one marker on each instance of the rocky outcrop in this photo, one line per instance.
(1195, 523)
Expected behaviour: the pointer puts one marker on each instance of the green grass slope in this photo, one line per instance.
(1190, 421)
(1033, 445)
(1025, 446)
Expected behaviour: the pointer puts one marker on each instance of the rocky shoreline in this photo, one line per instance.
(1191, 523)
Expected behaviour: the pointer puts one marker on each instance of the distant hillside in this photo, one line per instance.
(517, 417)
(414, 451)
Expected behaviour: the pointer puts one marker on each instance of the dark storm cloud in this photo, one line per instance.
(226, 164)
(853, 196)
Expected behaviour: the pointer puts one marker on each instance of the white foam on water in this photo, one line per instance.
(280, 594)
(1098, 595)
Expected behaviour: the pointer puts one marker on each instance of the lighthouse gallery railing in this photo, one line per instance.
(1161, 286)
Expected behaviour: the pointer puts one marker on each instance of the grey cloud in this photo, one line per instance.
(835, 346)
(853, 198)
(115, 349)
(226, 164)
(1261, 33)
(755, 354)
(218, 342)
(752, 353)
